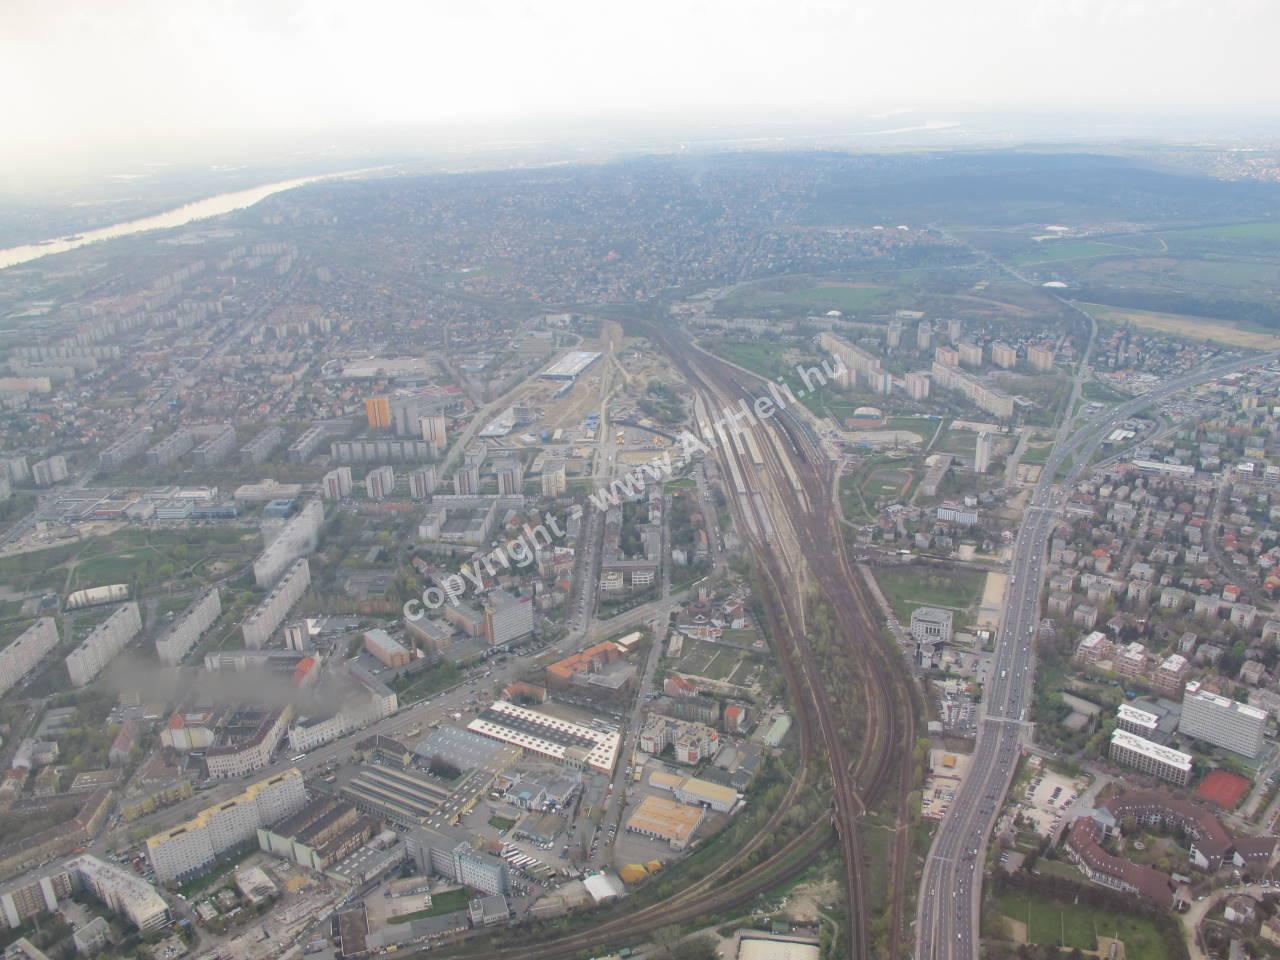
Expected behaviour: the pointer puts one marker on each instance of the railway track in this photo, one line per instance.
(720, 889)
(890, 697)
(859, 782)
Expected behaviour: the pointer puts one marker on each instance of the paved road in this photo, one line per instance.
(951, 887)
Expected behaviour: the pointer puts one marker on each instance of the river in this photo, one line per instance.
(197, 210)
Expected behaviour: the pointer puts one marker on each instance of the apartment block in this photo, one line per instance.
(184, 634)
(380, 482)
(104, 642)
(337, 484)
(434, 430)
(917, 385)
(216, 447)
(298, 538)
(1153, 759)
(1003, 355)
(422, 483)
(992, 400)
(554, 482)
(970, 354)
(123, 450)
(273, 610)
(507, 619)
(47, 472)
(173, 447)
(190, 848)
(21, 656)
(1222, 722)
(260, 448)
(1040, 358)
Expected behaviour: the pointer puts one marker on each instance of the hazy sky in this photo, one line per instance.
(90, 78)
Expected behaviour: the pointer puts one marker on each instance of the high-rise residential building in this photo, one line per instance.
(510, 476)
(1222, 722)
(6, 488)
(299, 538)
(507, 619)
(131, 445)
(990, 399)
(917, 385)
(422, 483)
(856, 363)
(893, 336)
(924, 336)
(554, 482)
(171, 448)
(1003, 355)
(122, 891)
(184, 634)
(262, 446)
(272, 611)
(47, 472)
(377, 411)
(982, 453)
(190, 848)
(16, 467)
(948, 356)
(466, 482)
(20, 657)
(215, 447)
(103, 643)
(970, 354)
(380, 482)
(337, 484)
(954, 330)
(1040, 358)
(119, 890)
(434, 429)
(1153, 759)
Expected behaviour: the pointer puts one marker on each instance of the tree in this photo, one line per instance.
(701, 947)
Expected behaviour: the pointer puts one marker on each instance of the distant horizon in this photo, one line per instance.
(486, 146)
(230, 81)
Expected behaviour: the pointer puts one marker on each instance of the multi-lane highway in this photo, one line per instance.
(951, 886)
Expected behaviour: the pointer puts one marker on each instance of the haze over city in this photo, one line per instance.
(717, 481)
(232, 82)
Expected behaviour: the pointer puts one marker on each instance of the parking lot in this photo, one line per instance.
(1046, 799)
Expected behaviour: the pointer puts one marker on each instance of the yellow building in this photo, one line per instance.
(378, 411)
(667, 820)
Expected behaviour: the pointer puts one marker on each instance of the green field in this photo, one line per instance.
(907, 588)
(765, 359)
(447, 902)
(925, 427)
(1037, 454)
(803, 297)
(1076, 926)
(1095, 391)
(1057, 251)
(1259, 231)
(701, 658)
(961, 442)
